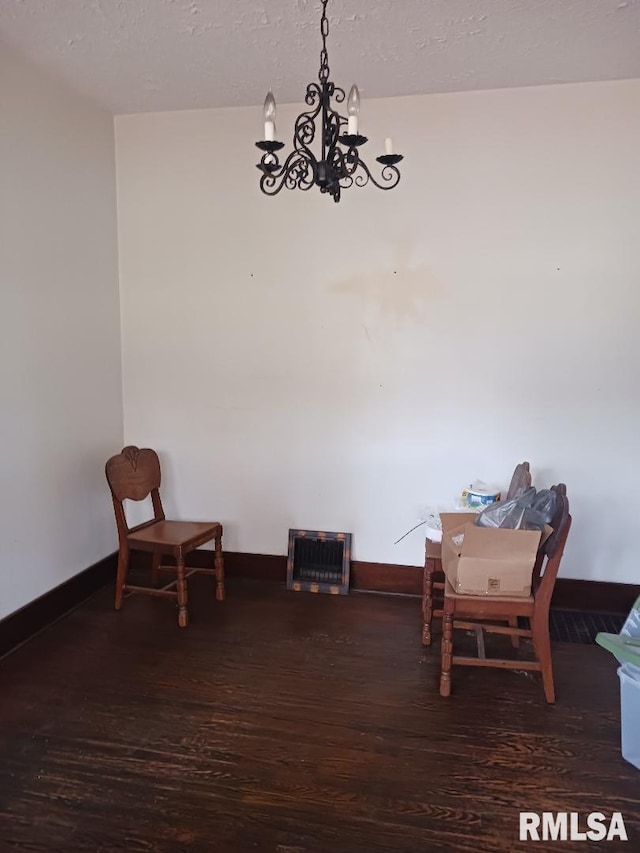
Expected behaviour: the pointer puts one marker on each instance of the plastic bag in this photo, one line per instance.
(541, 510)
(625, 646)
(531, 510)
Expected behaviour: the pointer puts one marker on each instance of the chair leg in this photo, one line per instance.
(515, 640)
(121, 576)
(155, 568)
(427, 602)
(219, 567)
(542, 646)
(447, 651)
(183, 615)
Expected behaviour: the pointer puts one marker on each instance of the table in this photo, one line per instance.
(433, 579)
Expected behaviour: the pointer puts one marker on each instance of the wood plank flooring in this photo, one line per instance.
(292, 723)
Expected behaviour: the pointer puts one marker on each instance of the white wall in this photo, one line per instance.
(60, 380)
(301, 363)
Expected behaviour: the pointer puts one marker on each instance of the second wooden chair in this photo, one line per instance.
(433, 577)
(482, 613)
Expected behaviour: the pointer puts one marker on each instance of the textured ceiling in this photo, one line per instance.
(141, 55)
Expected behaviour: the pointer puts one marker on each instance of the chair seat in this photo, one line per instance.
(174, 535)
(450, 592)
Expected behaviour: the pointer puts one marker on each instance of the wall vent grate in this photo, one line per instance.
(318, 561)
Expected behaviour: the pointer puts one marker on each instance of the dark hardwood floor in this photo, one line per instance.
(292, 723)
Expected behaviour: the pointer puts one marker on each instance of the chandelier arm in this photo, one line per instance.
(390, 176)
(297, 172)
(351, 161)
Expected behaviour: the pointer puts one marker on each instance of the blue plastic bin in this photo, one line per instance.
(630, 712)
(625, 647)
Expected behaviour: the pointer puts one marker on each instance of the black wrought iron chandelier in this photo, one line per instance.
(339, 165)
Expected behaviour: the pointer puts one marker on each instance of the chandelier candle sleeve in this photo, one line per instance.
(388, 145)
(326, 143)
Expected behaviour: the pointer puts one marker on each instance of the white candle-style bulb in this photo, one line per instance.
(269, 131)
(388, 145)
(353, 101)
(353, 108)
(270, 107)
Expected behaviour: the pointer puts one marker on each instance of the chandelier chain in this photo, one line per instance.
(324, 56)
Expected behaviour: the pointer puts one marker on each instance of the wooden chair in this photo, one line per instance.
(476, 610)
(134, 474)
(521, 479)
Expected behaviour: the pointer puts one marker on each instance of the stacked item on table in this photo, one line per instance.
(474, 498)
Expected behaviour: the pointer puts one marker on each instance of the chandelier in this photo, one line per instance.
(339, 165)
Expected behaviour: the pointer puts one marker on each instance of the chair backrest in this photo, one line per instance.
(521, 480)
(134, 474)
(552, 550)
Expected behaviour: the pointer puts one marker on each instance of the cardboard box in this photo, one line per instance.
(487, 560)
